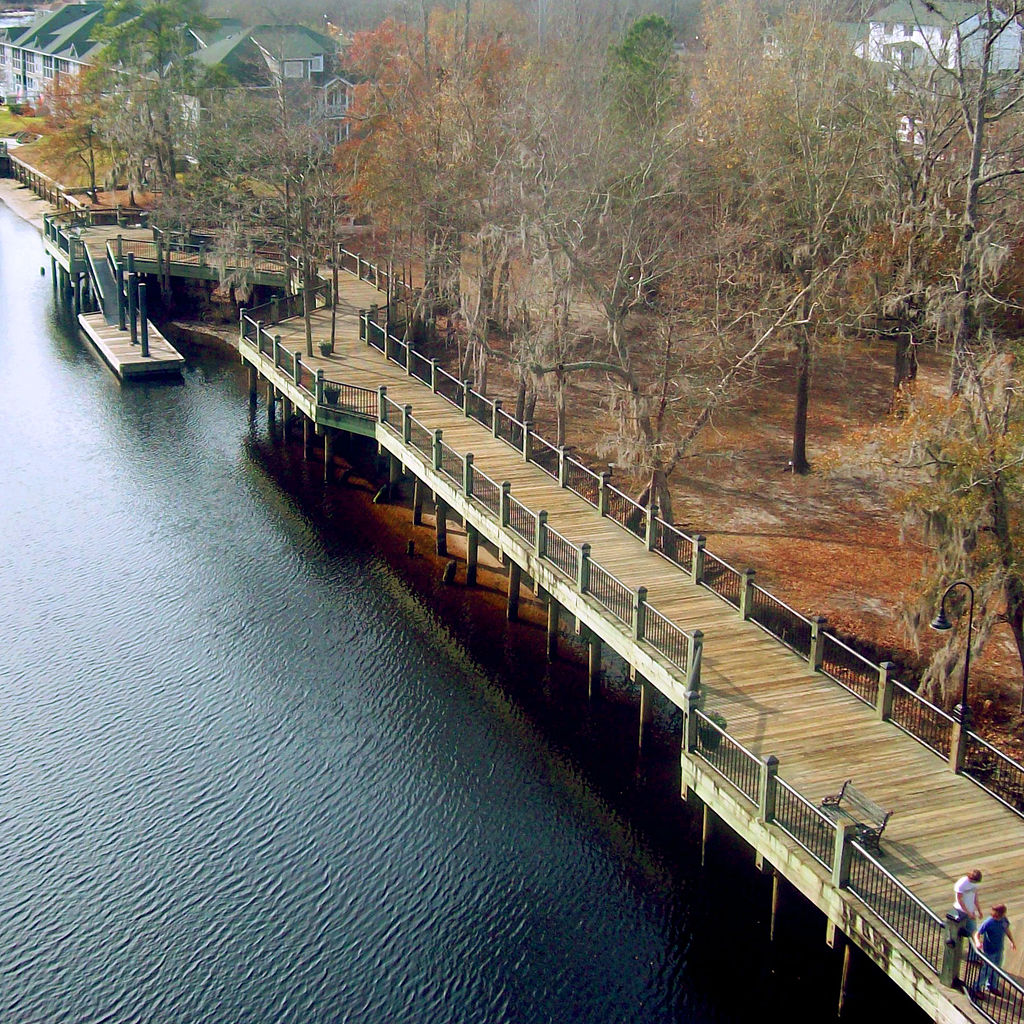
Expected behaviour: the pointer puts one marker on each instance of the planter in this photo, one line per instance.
(330, 396)
(710, 738)
(326, 348)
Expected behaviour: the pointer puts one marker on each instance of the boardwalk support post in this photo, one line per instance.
(143, 320)
(417, 502)
(562, 466)
(746, 591)
(842, 853)
(646, 705)
(515, 576)
(690, 699)
(952, 951)
(467, 390)
(767, 788)
(554, 608)
(328, 452)
(467, 475)
(472, 554)
(814, 660)
(883, 705)
(527, 440)
(495, 417)
(697, 570)
(440, 525)
(133, 294)
(594, 652)
(382, 403)
(407, 423)
(433, 376)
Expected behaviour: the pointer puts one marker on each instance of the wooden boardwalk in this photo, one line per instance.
(126, 359)
(821, 734)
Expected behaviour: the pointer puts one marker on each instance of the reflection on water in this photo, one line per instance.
(249, 774)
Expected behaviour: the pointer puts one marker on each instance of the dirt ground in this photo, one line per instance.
(831, 543)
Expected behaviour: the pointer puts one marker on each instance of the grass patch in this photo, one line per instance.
(11, 124)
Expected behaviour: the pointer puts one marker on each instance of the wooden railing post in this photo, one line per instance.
(602, 494)
(407, 423)
(540, 540)
(842, 853)
(495, 417)
(583, 580)
(506, 489)
(467, 474)
(958, 738)
(952, 951)
(818, 623)
(364, 335)
(650, 531)
(467, 388)
(297, 366)
(690, 699)
(320, 387)
(382, 405)
(746, 583)
(436, 448)
(527, 440)
(409, 354)
(277, 349)
(697, 572)
(883, 705)
(562, 466)
(767, 787)
(433, 376)
(694, 655)
(639, 612)
(275, 309)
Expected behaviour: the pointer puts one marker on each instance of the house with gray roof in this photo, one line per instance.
(57, 42)
(911, 34)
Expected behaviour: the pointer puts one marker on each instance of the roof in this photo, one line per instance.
(940, 14)
(65, 31)
(292, 42)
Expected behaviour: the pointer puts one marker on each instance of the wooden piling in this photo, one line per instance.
(472, 554)
(552, 630)
(646, 705)
(328, 452)
(515, 577)
(417, 502)
(440, 526)
(594, 653)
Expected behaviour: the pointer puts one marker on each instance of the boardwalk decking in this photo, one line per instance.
(126, 359)
(774, 704)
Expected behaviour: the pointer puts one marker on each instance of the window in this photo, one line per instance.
(317, 63)
(3, 54)
(47, 67)
(63, 66)
(293, 69)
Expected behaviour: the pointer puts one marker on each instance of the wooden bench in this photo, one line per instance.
(850, 804)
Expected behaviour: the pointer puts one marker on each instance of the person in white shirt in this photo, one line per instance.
(965, 899)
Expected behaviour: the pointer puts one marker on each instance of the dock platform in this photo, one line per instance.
(126, 359)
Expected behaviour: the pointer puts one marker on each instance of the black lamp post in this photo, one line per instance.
(942, 623)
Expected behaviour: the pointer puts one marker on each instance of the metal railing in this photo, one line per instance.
(521, 520)
(561, 552)
(622, 509)
(487, 492)
(996, 773)
(993, 992)
(582, 481)
(722, 578)
(781, 621)
(927, 723)
(666, 637)
(543, 454)
(804, 823)
(916, 924)
(674, 545)
(611, 592)
(849, 669)
(728, 757)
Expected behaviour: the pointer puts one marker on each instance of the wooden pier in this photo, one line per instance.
(801, 715)
(125, 358)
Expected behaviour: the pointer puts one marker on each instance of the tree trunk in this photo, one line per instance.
(559, 409)
(904, 366)
(803, 389)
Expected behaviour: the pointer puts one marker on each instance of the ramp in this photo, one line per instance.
(103, 278)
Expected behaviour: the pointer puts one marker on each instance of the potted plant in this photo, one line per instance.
(710, 738)
(326, 348)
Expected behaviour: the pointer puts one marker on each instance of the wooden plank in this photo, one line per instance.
(125, 359)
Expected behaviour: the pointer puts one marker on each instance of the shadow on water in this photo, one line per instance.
(719, 914)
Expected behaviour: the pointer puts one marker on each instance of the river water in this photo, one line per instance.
(249, 774)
